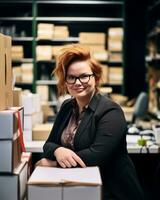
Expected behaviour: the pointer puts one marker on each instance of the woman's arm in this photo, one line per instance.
(53, 149)
(110, 134)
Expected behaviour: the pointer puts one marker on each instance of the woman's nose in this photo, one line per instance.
(78, 81)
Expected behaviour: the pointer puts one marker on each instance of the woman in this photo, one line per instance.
(90, 129)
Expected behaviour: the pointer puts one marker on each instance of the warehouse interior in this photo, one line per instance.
(122, 35)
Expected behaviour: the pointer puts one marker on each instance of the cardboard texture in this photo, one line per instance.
(65, 184)
(8, 88)
(13, 187)
(41, 131)
(92, 38)
(2, 72)
(17, 92)
(10, 154)
(6, 97)
(9, 122)
(17, 52)
(27, 157)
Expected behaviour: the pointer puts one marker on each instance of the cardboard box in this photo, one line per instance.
(6, 94)
(17, 74)
(9, 78)
(13, 187)
(27, 103)
(43, 52)
(65, 184)
(27, 72)
(61, 32)
(29, 121)
(9, 122)
(17, 52)
(104, 73)
(56, 49)
(17, 92)
(27, 157)
(92, 38)
(115, 45)
(43, 91)
(27, 135)
(41, 131)
(2, 73)
(45, 31)
(115, 33)
(98, 52)
(10, 154)
(115, 57)
(115, 75)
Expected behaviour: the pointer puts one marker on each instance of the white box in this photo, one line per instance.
(27, 103)
(29, 121)
(27, 135)
(10, 154)
(9, 122)
(65, 184)
(13, 187)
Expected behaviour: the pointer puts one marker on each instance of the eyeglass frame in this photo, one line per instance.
(79, 78)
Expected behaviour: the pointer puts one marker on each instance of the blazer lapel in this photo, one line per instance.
(64, 123)
(85, 120)
(87, 117)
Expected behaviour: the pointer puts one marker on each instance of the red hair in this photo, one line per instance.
(68, 55)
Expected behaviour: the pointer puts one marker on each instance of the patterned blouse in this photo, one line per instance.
(67, 138)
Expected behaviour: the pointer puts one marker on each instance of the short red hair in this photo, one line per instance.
(68, 55)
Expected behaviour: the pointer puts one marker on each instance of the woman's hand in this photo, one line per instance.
(67, 158)
(44, 162)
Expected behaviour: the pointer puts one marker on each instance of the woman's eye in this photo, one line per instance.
(71, 77)
(84, 77)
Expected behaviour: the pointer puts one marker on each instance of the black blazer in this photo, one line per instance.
(100, 140)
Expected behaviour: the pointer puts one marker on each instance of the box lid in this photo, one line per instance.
(69, 176)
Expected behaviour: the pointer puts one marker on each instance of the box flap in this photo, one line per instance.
(70, 176)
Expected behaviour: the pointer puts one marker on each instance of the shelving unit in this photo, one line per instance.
(78, 16)
(153, 53)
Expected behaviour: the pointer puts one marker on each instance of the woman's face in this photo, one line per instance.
(80, 73)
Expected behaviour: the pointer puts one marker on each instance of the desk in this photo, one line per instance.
(128, 112)
(36, 147)
(146, 164)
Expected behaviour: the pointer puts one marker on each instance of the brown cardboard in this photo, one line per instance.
(8, 87)
(2, 72)
(41, 131)
(17, 92)
(92, 38)
(17, 52)
(115, 75)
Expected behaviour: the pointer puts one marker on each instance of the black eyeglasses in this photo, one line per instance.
(84, 78)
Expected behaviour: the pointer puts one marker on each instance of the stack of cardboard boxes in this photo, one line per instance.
(52, 31)
(23, 73)
(13, 172)
(96, 42)
(115, 44)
